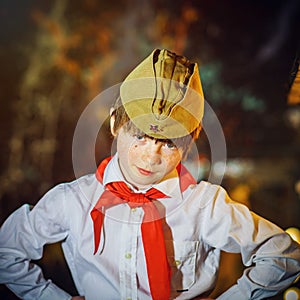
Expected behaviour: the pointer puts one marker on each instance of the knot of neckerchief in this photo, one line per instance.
(158, 269)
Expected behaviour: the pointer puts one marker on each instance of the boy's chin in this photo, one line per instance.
(144, 183)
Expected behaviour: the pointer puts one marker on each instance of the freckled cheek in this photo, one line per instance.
(123, 151)
(172, 161)
(134, 152)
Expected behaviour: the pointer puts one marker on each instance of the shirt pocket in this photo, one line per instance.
(182, 259)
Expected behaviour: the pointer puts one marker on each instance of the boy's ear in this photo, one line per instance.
(112, 121)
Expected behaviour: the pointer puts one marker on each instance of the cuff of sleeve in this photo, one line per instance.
(52, 291)
(233, 293)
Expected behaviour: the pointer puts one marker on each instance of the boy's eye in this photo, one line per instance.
(170, 146)
(139, 137)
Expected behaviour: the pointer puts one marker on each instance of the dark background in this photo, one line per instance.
(56, 56)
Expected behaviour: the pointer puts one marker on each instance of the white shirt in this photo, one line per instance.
(199, 223)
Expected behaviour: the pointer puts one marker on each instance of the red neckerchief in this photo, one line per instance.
(158, 269)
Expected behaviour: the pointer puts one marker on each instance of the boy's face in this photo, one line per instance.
(145, 161)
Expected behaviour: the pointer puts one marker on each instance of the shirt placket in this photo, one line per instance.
(128, 259)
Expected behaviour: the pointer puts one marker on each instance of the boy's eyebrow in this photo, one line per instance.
(165, 141)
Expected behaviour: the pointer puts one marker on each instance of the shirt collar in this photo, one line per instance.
(170, 186)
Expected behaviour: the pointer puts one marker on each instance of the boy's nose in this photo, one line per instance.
(153, 153)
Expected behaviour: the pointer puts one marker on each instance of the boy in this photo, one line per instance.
(141, 228)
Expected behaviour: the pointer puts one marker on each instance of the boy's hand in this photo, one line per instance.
(77, 298)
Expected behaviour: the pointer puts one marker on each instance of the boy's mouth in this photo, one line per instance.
(144, 172)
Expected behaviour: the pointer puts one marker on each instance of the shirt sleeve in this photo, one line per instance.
(271, 257)
(22, 237)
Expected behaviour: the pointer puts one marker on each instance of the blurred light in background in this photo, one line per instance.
(297, 187)
(234, 167)
(292, 293)
(294, 233)
(293, 117)
(238, 167)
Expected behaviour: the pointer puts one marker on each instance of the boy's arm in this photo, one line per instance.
(272, 267)
(271, 258)
(22, 238)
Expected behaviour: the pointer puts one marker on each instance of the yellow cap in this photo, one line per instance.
(163, 95)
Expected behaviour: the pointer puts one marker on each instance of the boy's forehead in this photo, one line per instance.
(133, 130)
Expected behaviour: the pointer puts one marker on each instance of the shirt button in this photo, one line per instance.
(192, 186)
(133, 209)
(128, 298)
(177, 262)
(128, 255)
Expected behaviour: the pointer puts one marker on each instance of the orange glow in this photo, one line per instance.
(294, 94)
